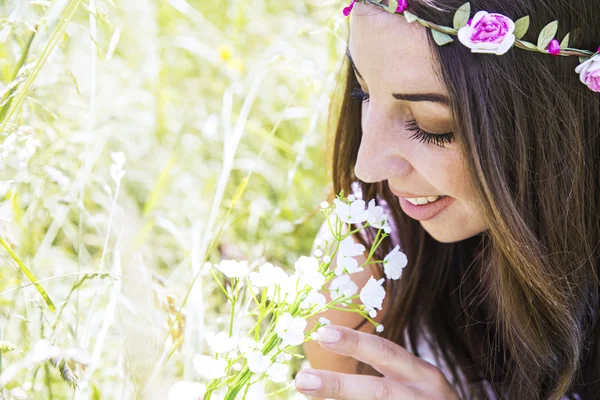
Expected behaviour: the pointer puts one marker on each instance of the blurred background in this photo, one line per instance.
(139, 139)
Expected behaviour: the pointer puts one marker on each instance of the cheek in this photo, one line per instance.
(446, 171)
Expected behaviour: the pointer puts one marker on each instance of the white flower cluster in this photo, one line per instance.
(116, 168)
(290, 299)
(18, 147)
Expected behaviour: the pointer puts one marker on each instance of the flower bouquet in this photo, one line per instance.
(245, 366)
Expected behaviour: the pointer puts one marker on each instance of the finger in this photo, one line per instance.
(390, 359)
(327, 384)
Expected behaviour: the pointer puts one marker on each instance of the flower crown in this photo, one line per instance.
(496, 34)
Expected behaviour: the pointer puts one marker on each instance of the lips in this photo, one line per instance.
(426, 211)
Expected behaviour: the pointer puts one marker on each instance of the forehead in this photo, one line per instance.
(386, 47)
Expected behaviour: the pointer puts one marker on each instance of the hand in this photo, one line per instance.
(405, 376)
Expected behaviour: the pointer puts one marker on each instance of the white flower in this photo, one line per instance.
(232, 355)
(342, 286)
(324, 321)
(287, 290)
(221, 342)
(377, 217)
(351, 213)
(116, 169)
(278, 372)
(488, 33)
(290, 330)
(313, 298)
(247, 345)
(268, 275)
(256, 392)
(186, 391)
(379, 328)
(118, 158)
(347, 251)
(258, 362)
(372, 294)
(372, 313)
(589, 72)
(307, 269)
(282, 357)
(208, 367)
(233, 269)
(324, 205)
(394, 262)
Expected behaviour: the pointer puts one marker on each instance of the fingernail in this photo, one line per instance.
(307, 381)
(328, 335)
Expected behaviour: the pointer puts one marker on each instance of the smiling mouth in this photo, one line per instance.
(419, 201)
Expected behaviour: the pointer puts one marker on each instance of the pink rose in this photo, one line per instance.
(488, 33)
(589, 72)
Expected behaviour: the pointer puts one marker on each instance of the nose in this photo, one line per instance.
(380, 155)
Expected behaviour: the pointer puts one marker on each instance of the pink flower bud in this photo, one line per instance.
(554, 47)
(348, 10)
(402, 4)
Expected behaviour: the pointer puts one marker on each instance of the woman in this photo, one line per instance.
(500, 298)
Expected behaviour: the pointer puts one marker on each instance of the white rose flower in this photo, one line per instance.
(488, 33)
(589, 72)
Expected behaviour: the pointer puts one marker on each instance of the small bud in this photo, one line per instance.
(379, 328)
(6, 347)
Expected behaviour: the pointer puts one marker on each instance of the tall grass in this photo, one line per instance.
(219, 110)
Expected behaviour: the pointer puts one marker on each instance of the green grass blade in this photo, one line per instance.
(54, 38)
(29, 275)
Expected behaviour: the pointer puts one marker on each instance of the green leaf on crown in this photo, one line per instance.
(441, 38)
(583, 59)
(410, 17)
(392, 6)
(531, 46)
(521, 27)
(547, 34)
(461, 17)
(565, 42)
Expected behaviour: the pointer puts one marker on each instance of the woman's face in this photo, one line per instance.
(402, 94)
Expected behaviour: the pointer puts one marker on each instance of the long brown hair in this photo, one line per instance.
(516, 305)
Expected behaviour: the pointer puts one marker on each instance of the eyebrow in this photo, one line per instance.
(413, 97)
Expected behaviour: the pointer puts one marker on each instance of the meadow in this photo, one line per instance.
(140, 140)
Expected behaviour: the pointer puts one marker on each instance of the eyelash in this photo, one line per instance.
(439, 139)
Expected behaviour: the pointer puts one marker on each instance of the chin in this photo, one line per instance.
(451, 233)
